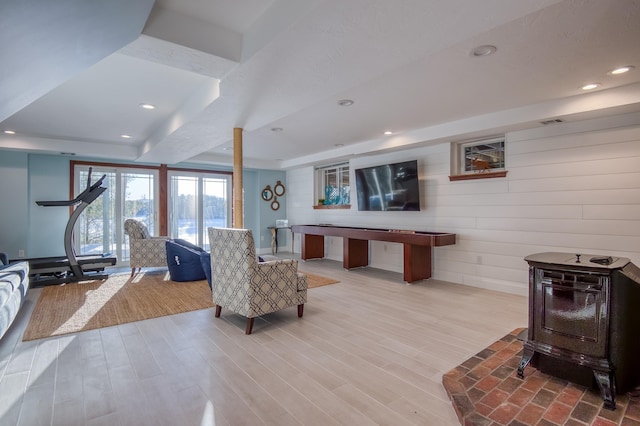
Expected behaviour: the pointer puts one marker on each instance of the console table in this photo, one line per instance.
(274, 237)
(417, 246)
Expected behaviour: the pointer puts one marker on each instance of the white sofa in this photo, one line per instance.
(14, 284)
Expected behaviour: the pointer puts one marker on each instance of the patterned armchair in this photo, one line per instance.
(247, 287)
(144, 250)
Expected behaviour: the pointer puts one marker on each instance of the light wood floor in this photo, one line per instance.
(369, 350)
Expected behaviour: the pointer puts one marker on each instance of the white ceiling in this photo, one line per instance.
(210, 66)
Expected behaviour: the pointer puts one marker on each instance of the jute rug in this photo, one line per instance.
(120, 299)
(314, 280)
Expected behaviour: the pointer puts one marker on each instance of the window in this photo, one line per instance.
(478, 159)
(332, 185)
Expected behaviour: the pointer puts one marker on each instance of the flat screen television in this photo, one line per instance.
(389, 187)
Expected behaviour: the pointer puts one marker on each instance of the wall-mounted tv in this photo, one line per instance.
(389, 187)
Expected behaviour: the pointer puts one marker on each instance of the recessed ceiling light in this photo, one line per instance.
(338, 145)
(621, 70)
(10, 132)
(147, 106)
(125, 136)
(277, 129)
(345, 102)
(388, 132)
(227, 148)
(590, 86)
(484, 50)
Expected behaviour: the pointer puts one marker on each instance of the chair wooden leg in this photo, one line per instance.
(249, 326)
(133, 271)
(300, 310)
(218, 309)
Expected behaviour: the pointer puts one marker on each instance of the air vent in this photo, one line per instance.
(554, 121)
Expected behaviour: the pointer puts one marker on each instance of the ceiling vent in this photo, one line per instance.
(554, 121)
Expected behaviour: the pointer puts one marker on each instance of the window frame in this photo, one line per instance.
(461, 170)
(117, 238)
(162, 209)
(200, 176)
(342, 172)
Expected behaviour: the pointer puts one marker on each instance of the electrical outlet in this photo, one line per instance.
(261, 237)
(20, 253)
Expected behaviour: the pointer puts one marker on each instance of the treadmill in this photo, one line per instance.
(72, 268)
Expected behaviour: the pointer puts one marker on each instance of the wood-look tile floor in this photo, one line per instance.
(369, 350)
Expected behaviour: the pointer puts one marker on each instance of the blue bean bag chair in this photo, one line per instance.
(205, 261)
(183, 260)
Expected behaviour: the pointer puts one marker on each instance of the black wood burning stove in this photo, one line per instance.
(584, 321)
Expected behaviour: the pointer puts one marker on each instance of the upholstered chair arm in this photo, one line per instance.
(274, 286)
(285, 270)
(301, 279)
(302, 282)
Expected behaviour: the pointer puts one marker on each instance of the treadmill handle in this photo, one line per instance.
(83, 196)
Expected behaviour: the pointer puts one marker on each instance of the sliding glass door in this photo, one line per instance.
(92, 235)
(198, 201)
(131, 193)
(138, 189)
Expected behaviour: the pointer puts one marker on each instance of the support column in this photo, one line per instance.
(238, 209)
(163, 202)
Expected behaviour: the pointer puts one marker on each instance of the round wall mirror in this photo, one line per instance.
(279, 189)
(267, 193)
(275, 204)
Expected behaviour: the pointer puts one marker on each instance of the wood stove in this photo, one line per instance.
(584, 321)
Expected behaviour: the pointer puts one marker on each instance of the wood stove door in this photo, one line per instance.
(571, 311)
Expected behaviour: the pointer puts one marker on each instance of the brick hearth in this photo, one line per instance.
(485, 390)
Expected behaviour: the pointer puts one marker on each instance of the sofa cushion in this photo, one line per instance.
(14, 284)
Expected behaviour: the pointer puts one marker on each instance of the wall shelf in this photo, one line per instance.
(332, 206)
(484, 175)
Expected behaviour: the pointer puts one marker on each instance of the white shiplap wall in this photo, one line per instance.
(571, 187)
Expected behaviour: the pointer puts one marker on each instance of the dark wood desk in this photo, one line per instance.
(417, 246)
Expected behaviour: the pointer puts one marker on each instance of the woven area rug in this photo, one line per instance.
(120, 299)
(314, 280)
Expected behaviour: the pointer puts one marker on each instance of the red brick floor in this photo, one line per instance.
(485, 390)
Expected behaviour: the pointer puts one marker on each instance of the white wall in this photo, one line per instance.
(572, 187)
